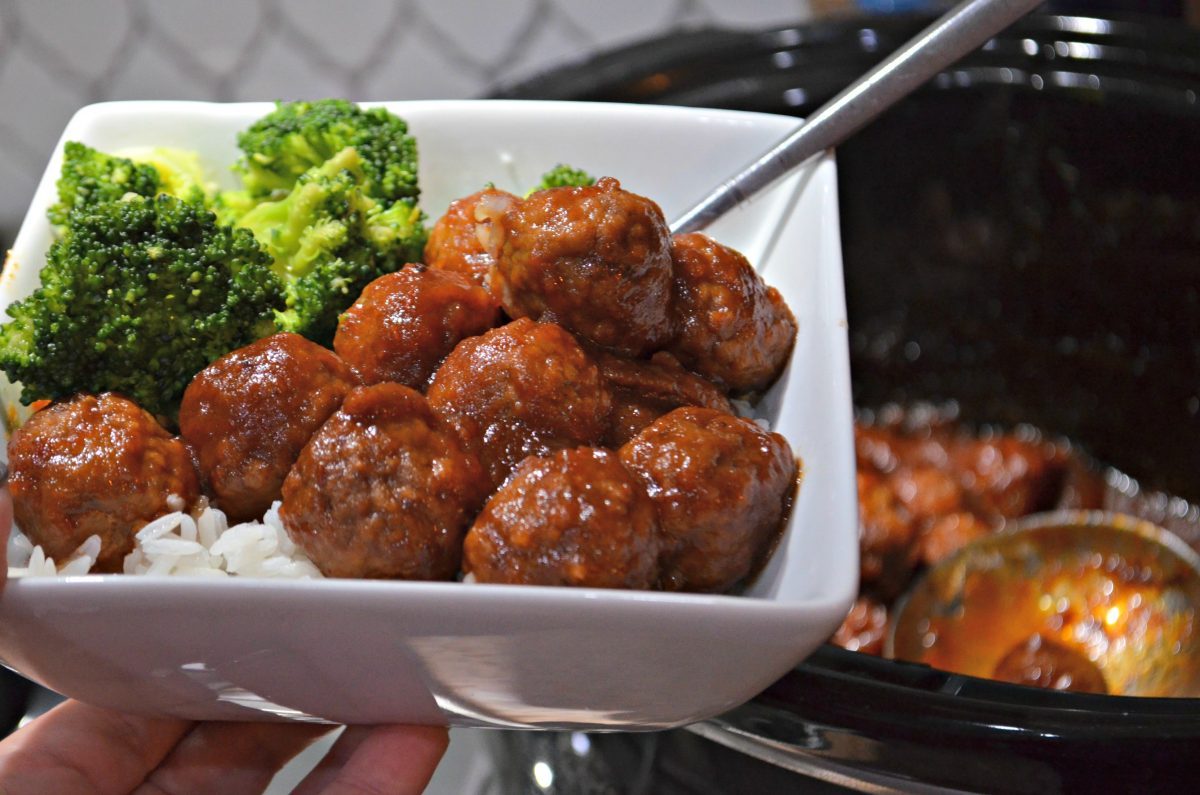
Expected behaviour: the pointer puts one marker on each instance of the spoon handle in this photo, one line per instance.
(965, 27)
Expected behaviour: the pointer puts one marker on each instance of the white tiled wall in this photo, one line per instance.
(56, 55)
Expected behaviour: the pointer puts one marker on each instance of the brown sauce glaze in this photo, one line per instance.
(248, 414)
(403, 324)
(575, 517)
(522, 389)
(721, 484)
(645, 389)
(1040, 662)
(595, 260)
(95, 465)
(461, 241)
(730, 326)
(384, 490)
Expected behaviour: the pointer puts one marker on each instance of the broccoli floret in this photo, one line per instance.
(329, 239)
(136, 297)
(564, 176)
(298, 136)
(231, 205)
(89, 177)
(179, 171)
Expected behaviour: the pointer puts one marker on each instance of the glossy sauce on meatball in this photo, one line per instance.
(384, 489)
(461, 241)
(864, 628)
(1041, 662)
(645, 389)
(95, 465)
(731, 326)
(522, 389)
(722, 486)
(575, 517)
(595, 260)
(248, 414)
(404, 323)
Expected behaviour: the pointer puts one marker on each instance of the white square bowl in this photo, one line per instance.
(355, 651)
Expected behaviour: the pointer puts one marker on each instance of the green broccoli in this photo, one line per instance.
(136, 297)
(329, 239)
(89, 177)
(231, 205)
(564, 176)
(298, 136)
(179, 171)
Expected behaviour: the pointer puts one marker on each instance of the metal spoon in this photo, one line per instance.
(1078, 600)
(958, 32)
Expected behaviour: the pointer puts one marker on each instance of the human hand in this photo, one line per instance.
(77, 748)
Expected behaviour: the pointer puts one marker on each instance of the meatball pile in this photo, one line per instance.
(545, 400)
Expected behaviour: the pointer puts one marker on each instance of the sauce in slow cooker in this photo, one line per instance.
(927, 486)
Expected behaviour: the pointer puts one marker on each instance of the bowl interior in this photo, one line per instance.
(489, 655)
(673, 155)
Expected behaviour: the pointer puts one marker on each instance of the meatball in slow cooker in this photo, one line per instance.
(595, 260)
(864, 627)
(1011, 476)
(522, 389)
(731, 327)
(404, 323)
(248, 414)
(383, 490)
(463, 240)
(886, 535)
(644, 390)
(575, 517)
(722, 486)
(96, 465)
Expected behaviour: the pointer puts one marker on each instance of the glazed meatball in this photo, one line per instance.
(462, 240)
(1011, 476)
(248, 414)
(944, 535)
(887, 533)
(864, 628)
(383, 490)
(595, 260)
(1041, 662)
(575, 517)
(874, 449)
(96, 465)
(722, 486)
(644, 390)
(404, 323)
(522, 389)
(927, 492)
(731, 327)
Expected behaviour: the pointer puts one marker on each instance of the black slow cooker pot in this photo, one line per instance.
(1021, 237)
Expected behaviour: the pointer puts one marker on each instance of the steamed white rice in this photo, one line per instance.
(196, 544)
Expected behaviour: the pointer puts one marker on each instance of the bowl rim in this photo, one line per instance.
(31, 587)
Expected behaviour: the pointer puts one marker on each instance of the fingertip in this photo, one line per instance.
(423, 741)
(390, 758)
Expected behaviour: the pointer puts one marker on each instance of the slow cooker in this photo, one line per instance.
(1022, 241)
